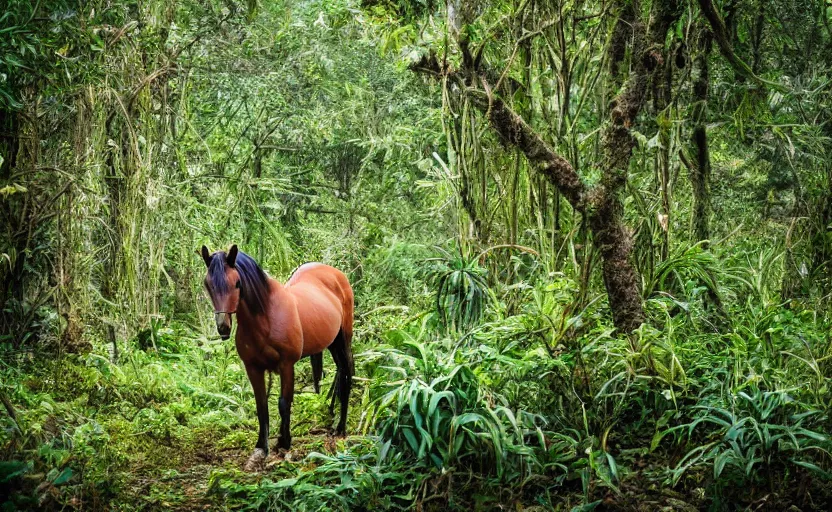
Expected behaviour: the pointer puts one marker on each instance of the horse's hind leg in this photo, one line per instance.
(317, 361)
(343, 380)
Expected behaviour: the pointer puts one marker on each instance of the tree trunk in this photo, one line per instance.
(606, 211)
(700, 172)
(664, 112)
(602, 204)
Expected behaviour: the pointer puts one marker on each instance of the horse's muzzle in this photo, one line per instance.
(223, 325)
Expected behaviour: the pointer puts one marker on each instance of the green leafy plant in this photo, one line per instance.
(762, 438)
(462, 292)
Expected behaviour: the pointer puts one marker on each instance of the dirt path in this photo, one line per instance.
(193, 483)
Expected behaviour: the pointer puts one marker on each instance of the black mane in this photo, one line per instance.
(254, 284)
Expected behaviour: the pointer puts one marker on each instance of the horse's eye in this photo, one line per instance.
(238, 285)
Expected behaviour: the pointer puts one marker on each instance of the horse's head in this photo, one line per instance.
(223, 285)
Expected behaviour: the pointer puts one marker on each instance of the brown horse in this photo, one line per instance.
(278, 324)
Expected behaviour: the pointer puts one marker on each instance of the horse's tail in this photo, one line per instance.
(346, 327)
(317, 361)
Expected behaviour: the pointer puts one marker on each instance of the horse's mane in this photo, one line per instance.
(254, 284)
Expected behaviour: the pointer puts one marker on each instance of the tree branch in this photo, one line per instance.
(10, 411)
(514, 131)
(720, 33)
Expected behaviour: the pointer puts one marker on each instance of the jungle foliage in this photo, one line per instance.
(590, 244)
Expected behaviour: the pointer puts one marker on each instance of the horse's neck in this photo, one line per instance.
(273, 300)
(276, 293)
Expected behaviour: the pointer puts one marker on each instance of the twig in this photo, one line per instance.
(10, 410)
(517, 44)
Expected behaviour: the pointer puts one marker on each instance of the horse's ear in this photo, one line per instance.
(231, 259)
(206, 256)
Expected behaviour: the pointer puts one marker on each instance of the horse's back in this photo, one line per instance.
(324, 300)
(314, 273)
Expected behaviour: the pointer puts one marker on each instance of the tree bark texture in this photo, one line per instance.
(700, 173)
(606, 210)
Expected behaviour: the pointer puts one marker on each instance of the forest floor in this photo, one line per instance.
(156, 451)
(192, 482)
(189, 483)
(172, 427)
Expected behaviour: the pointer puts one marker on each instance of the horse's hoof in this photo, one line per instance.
(336, 432)
(284, 443)
(255, 461)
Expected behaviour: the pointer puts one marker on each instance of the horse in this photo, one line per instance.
(278, 324)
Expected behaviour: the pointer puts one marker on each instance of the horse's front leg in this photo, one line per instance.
(287, 394)
(261, 399)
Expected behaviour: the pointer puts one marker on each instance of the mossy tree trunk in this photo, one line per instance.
(601, 205)
(700, 171)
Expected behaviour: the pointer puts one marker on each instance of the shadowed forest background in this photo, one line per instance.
(590, 244)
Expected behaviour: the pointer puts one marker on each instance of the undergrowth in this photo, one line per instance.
(545, 408)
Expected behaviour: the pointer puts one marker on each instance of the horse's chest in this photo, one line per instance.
(258, 352)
